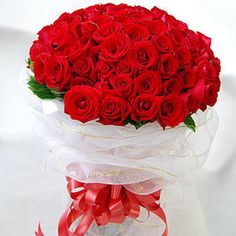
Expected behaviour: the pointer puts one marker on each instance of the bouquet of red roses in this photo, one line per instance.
(123, 64)
(119, 65)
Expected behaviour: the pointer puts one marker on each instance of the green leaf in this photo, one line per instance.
(137, 125)
(56, 93)
(127, 121)
(30, 64)
(190, 123)
(40, 90)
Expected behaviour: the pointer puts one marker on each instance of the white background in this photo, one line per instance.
(21, 152)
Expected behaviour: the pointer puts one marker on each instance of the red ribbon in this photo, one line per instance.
(104, 204)
(39, 233)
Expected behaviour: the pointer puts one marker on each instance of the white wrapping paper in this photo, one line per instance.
(144, 160)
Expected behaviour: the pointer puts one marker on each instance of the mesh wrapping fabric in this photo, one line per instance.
(144, 160)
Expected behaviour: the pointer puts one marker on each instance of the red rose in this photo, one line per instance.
(124, 67)
(82, 103)
(204, 55)
(211, 94)
(71, 52)
(177, 37)
(206, 70)
(204, 41)
(140, 13)
(102, 8)
(75, 26)
(90, 12)
(59, 35)
(85, 42)
(172, 111)
(115, 47)
(217, 83)
(94, 53)
(154, 27)
(159, 13)
(56, 71)
(83, 66)
(148, 83)
(103, 84)
(168, 65)
(106, 30)
(188, 77)
(88, 27)
(145, 107)
(67, 17)
(39, 67)
(105, 69)
(114, 108)
(113, 9)
(136, 32)
(122, 82)
(191, 41)
(117, 10)
(192, 103)
(183, 56)
(44, 35)
(162, 43)
(198, 91)
(143, 55)
(78, 14)
(81, 81)
(38, 48)
(102, 19)
(171, 21)
(124, 20)
(216, 64)
(172, 86)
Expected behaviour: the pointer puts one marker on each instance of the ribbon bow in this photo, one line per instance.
(104, 204)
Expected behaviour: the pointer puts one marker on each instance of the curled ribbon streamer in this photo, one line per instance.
(104, 204)
(39, 233)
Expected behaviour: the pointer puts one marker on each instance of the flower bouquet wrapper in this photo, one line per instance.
(123, 97)
(144, 162)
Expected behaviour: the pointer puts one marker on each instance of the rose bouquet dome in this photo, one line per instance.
(123, 64)
(130, 80)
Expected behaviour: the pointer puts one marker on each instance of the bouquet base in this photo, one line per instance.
(184, 217)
